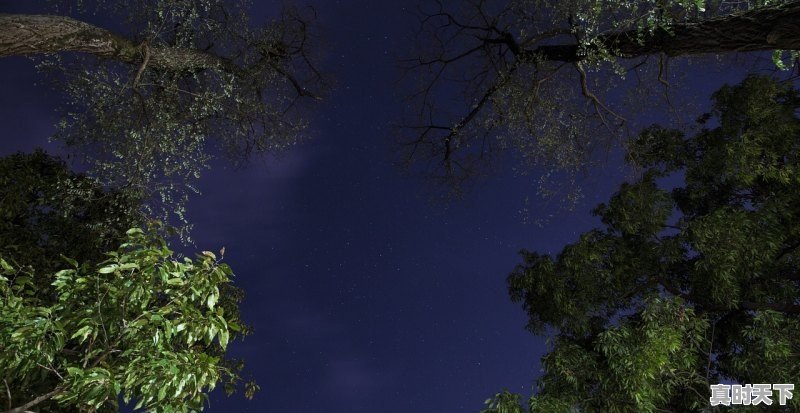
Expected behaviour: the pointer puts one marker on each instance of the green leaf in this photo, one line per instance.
(108, 270)
(223, 338)
(70, 261)
(777, 59)
(83, 333)
(211, 301)
(8, 269)
(129, 266)
(701, 5)
(134, 231)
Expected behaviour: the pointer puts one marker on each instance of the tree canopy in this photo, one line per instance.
(680, 288)
(543, 78)
(69, 339)
(141, 325)
(147, 101)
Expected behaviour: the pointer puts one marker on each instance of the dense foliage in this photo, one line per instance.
(68, 336)
(151, 98)
(139, 324)
(681, 288)
(47, 210)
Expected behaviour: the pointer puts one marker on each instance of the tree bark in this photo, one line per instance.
(767, 28)
(36, 34)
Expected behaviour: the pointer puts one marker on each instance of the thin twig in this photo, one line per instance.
(24, 408)
(8, 392)
(662, 69)
(591, 96)
(146, 59)
(710, 349)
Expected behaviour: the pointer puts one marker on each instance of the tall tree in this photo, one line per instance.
(685, 288)
(541, 77)
(53, 219)
(144, 99)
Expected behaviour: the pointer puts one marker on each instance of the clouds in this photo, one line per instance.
(352, 379)
(253, 198)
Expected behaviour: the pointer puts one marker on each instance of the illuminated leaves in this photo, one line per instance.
(141, 325)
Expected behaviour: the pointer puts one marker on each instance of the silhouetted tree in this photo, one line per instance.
(685, 288)
(536, 75)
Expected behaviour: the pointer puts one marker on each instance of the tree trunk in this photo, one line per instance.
(766, 28)
(36, 34)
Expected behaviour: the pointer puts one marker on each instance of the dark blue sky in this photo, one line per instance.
(365, 295)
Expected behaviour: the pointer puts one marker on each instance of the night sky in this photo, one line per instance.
(365, 295)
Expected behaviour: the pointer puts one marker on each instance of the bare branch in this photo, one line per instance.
(145, 61)
(43, 398)
(662, 69)
(592, 97)
(8, 393)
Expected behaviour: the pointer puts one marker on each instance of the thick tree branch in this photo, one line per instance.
(41, 34)
(767, 28)
(37, 34)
